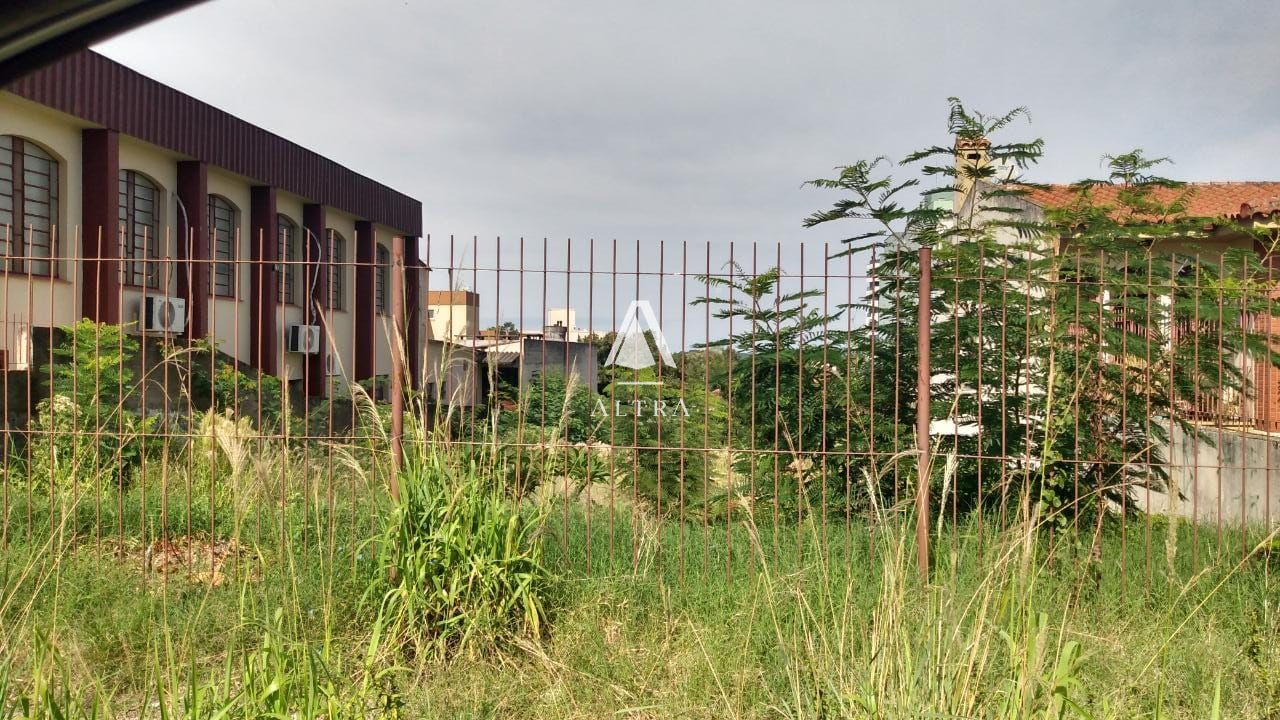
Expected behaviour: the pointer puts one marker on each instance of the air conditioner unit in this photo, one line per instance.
(17, 356)
(303, 339)
(162, 314)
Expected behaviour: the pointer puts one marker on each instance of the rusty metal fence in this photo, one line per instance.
(689, 407)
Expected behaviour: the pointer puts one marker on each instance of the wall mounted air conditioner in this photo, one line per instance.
(302, 339)
(17, 355)
(160, 314)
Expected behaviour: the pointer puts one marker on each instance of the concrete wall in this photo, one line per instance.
(453, 371)
(571, 359)
(1239, 478)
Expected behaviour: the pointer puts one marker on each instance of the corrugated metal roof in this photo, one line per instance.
(503, 358)
(104, 92)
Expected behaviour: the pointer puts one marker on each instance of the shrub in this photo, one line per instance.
(91, 366)
(553, 400)
(533, 455)
(71, 449)
(679, 452)
(221, 384)
(85, 429)
(462, 565)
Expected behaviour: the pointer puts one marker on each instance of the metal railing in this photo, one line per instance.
(701, 392)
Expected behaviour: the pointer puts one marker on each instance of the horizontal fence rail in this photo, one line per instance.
(676, 406)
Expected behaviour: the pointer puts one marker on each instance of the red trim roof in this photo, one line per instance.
(1240, 200)
(104, 92)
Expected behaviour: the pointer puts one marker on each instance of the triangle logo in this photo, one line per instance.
(630, 349)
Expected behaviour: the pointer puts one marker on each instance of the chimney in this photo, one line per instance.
(972, 155)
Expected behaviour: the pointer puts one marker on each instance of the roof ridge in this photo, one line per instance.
(100, 90)
(1184, 182)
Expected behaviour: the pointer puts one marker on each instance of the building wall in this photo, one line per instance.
(40, 302)
(424, 325)
(28, 302)
(229, 322)
(450, 322)
(384, 332)
(454, 373)
(291, 364)
(342, 330)
(567, 317)
(160, 167)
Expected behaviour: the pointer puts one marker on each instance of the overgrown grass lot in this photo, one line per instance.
(223, 555)
(234, 577)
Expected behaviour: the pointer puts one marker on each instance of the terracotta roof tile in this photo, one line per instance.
(1208, 199)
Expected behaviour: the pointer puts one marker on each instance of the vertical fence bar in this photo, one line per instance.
(874, 488)
(922, 413)
(399, 337)
(1206, 402)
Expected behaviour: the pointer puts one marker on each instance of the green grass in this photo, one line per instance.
(678, 621)
(337, 602)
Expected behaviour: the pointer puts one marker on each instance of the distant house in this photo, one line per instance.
(453, 315)
(466, 359)
(1247, 203)
(1235, 204)
(521, 359)
(551, 354)
(568, 319)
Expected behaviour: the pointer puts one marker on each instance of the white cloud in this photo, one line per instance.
(697, 121)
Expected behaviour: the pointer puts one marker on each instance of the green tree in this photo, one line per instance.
(92, 365)
(675, 439)
(788, 389)
(85, 431)
(504, 328)
(1050, 337)
(553, 400)
(974, 345)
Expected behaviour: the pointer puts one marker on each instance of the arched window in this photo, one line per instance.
(28, 205)
(382, 279)
(223, 221)
(287, 230)
(140, 219)
(337, 270)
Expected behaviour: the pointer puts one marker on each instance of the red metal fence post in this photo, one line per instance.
(399, 337)
(923, 324)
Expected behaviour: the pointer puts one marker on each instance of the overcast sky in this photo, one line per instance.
(698, 121)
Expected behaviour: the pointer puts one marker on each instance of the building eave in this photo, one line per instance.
(101, 91)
